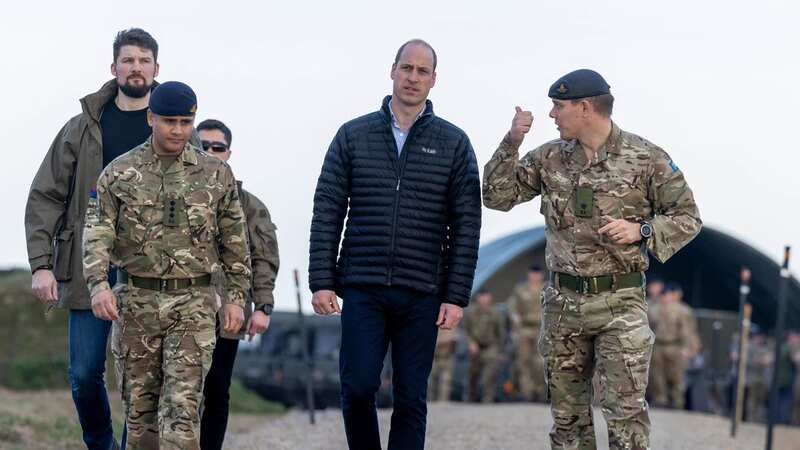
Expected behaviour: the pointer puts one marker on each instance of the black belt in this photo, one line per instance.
(598, 284)
(163, 284)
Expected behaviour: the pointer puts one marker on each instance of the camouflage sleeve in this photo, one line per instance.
(676, 217)
(99, 234)
(469, 330)
(508, 181)
(232, 241)
(692, 337)
(263, 251)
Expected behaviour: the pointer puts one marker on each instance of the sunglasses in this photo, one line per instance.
(214, 146)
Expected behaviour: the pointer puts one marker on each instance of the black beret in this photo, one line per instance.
(672, 287)
(173, 98)
(581, 83)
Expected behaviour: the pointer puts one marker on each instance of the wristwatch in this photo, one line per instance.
(265, 308)
(645, 229)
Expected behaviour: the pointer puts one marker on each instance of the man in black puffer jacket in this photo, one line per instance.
(410, 246)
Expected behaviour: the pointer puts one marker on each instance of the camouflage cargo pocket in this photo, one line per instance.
(637, 345)
(206, 341)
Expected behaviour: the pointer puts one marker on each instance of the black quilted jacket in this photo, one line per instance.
(412, 221)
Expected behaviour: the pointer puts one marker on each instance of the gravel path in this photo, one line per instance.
(505, 427)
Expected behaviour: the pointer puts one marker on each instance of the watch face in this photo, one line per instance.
(647, 230)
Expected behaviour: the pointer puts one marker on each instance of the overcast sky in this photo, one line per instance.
(717, 84)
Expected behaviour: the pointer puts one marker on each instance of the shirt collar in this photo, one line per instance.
(394, 119)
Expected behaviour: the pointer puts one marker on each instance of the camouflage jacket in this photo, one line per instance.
(674, 324)
(129, 225)
(629, 178)
(264, 258)
(484, 327)
(525, 303)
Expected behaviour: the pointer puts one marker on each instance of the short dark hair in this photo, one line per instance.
(415, 41)
(214, 124)
(534, 268)
(603, 104)
(137, 37)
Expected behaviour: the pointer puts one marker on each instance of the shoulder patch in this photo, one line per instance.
(673, 166)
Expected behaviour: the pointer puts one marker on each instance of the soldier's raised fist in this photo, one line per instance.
(520, 126)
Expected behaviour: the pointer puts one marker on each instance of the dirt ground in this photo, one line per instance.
(507, 427)
(46, 420)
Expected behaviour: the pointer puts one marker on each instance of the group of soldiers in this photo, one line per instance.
(131, 218)
(486, 330)
(759, 375)
(135, 219)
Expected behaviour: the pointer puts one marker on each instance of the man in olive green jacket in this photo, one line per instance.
(113, 120)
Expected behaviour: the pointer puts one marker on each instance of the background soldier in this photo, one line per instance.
(676, 342)
(524, 308)
(441, 380)
(759, 370)
(113, 120)
(216, 138)
(484, 328)
(606, 195)
(168, 216)
(655, 287)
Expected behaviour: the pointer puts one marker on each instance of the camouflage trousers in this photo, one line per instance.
(163, 345)
(607, 333)
(666, 374)
(441, 378)
(483, 373)
(528, 365)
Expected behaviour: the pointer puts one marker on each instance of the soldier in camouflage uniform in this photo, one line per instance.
(759, 374)
(608, 197)
(216, 140)
(168, 216)
(676, 342)
(441, 379)
(524, 309)
(485, 331)
(655, 287)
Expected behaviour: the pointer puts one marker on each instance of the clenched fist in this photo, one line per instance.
(520, 126)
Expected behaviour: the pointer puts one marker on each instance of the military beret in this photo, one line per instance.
(672, 287)
(581, 83)
(173, 98)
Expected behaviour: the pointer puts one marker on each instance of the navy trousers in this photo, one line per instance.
(372, 318)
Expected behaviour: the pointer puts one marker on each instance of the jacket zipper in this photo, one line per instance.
(400, 170)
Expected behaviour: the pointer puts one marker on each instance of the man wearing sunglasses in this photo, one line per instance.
(216, 138)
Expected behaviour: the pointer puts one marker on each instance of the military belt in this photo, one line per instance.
(598, 284)
(163, 284)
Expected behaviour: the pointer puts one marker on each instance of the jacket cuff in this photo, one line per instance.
(321, 286)
(99, 287)
(234, 297)
(39, 262)
(263, 298)
(454, 300)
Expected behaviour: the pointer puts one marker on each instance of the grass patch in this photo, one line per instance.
(245, 401)
(30, 374)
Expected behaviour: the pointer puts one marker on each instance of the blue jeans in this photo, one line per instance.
(372, 318)
(88, 337)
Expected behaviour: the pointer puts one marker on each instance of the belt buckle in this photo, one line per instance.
(583, 285)
(163, 284)
(595, 288)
